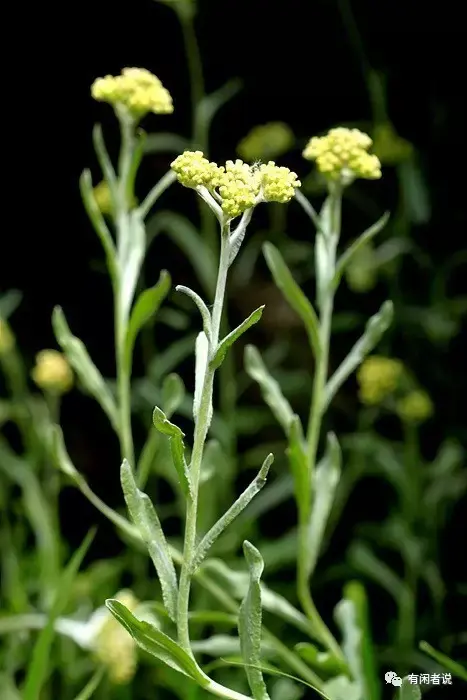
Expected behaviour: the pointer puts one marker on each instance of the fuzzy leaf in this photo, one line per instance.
(177, 448)
(298, 460)
(130, 256)
(144, 516)
(365, 237)
(228, 517)
(230, 339)
(156, 643)
(201, 365)
(325, 481)
(249, 623)
(203, 309)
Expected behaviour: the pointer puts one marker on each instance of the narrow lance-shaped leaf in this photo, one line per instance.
(203, 309)
(177, 448)
(293, 294)
(364, 238)
(346, 617)
(86, 370)
(228, 517)
(374, 331)
(156, 643)
(201, 365)
(325, 482)
(355, 592)
(449, 664)
(270, 388)
(145, 308)
(234, 335)
(144, 516)
(249, 623)
(130, 256)
(98, 222)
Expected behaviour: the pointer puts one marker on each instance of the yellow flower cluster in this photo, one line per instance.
(52, 372)
(378, 377)
(237, 186)
(115, 647)
(136, 89)
(343, 154)
(416, 407)
(266, 141)
(7, 340)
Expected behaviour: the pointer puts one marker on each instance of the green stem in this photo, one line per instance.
(195, 67)
(201, 430)
(317, 408)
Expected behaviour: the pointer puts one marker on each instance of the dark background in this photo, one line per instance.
(297, 64)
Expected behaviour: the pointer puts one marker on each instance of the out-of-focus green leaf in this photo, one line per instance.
(298, 460)
(363, 239)
(408, 691)
(294, 295)
(173, 393)
(449, 664)
(9, 302)
(342, 688)
(41, 655)
(165, 143)
(92, 685)
(374, 330)
(145, 308)
(87, 372)
(363, 559)
(416, 195)
(270, 388)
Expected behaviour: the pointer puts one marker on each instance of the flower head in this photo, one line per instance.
(103, 198)
(114, 647)
(378, 377)
(416, 407)
(343, 155)
(52, 372)
(237, 186)
(136, 89)
(7, 340)
(266, 141)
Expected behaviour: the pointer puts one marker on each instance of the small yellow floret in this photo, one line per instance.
(278, 183)
(194, 170)
(115, 647)
(343, 153)
(52, 372)
(416, 407)
(378, 377)
(136, 89)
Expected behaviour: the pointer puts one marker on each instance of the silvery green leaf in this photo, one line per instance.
(293, 294)
(203, 309)
(342, 688)
(177, 448)
(236, 238)
(99, 224)
(408, 691)
(228, 517)
(285, 688)
(85, 369)
(131, 247)
(374, 331)
(218, 645)
(270, 388)
(345, 615)
(156, 643)
(145, 308)
(249, 623)
(364, 238)
(366, 562)
(210, 104)
(355, 592)
(201, 365)
(298, 461)
(230, 339)
(325, 480)
(173, 393)
(144, 516)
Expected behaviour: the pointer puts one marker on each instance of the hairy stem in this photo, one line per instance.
(201, 430)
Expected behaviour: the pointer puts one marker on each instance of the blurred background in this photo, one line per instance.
(392, 69)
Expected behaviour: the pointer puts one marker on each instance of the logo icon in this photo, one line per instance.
(393, 678)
